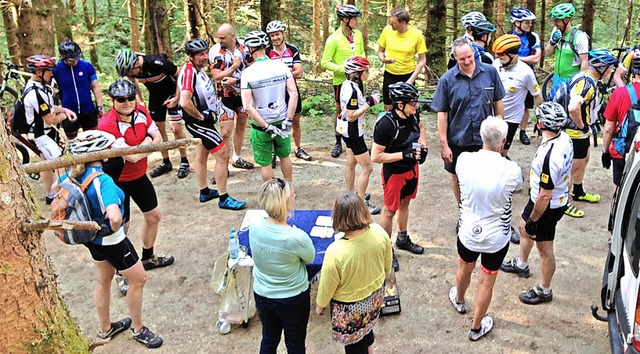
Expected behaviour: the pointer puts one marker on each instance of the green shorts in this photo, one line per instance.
(263, 145)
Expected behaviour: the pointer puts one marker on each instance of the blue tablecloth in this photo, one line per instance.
(303, 219)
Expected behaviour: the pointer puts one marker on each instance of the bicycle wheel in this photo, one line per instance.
(22, 152)
(546, 86)
(7, 97)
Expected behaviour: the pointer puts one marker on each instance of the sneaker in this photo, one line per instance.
(123, 284)
(524, 139)
(160, 170)
(587, 197)
(535, 296)
(515, 236)
(486, 325)
(574, 212)
(213, 194)
(336, 151)
(116, 328)
(183, 171)
(374, 210)
(394, 262)
(231, 204)
(301, 154)
(157, 262)
(241, 163)
(408, 245)
(148, 338)
(460, 308)
(511, 266)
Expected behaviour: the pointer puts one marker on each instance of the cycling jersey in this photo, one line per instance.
(337, 49)
(517, 81)
(202, 89)
(402, 47)
(625, 64)
(551, 170)
(289, 56)
(617, 109)
(396, 134)
(351, 99)
(567, 62)
(132, 134)
(583, 88)
(221, 58)
(529, 43)
(75, 85)
(267, 80)
(38, 102)
(157, 75)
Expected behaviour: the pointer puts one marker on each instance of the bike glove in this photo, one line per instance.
(423, 155)
(274, 131)
(531, 227)
(606, 160)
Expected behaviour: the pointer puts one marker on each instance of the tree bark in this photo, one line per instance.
(436, 34)
(317, 51)
(365, 25)
(191, 19)
(90, 33)
(543, 25)
(455, 19)
(627, 28)
(36, 29)
(269, 11)
(487, 9)
(499, 18)
(33, 317)
(587, 18)
(61, 20)
(135, 25)
(156, 18)
(325, 20)
(231, 15)
(531, 5)
(9, 16)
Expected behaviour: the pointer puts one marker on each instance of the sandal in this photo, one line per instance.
(574, 212)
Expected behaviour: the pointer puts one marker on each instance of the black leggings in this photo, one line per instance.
(360, 347)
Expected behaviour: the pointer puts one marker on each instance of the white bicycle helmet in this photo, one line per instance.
(256, 39)
(551, 116)
(472, 18)
(275, 26)
(90, 141)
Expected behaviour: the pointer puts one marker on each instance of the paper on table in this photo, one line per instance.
(324, 221)
(321, 232)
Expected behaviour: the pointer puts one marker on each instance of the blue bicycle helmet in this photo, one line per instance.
(521, 14)
(601, 58)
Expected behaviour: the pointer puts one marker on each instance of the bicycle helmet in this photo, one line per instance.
(508, 44)
(551, 116)
(125, 61)
(403, 92)
(256, 39)
(481, 28)
(69, 50)
(90, 141)
(601, 58)
(40, 62)
(195, 46)
(356, 64)
(562, 11)
(472, 18)
(275, 26)
(521, 14)
(122, 88)
(635, 62)
(347, 11)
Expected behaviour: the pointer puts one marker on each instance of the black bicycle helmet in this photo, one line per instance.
(122, 88)
(347, 11)
(69, 50)
(195, 46)
(402, 92)
(635, 62)
(551, 116)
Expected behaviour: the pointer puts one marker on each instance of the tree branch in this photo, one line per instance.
(42, 225)
(21, 3)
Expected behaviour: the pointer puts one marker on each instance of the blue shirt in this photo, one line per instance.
(468, 100)
(75, 85)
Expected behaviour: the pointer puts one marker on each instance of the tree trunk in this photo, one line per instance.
(587, 18)
(9, 16)
(543, 25)
(33, 317)
(389, 8)
(351, 2)
(92, 35)
(191, 19)
(325, 20)
(487, 9)
(269, 11)
(145, 34)
(231, 16)
(207, 20)
(90, 32)
(36, 29)
(627, 28)
(135, 25)
(317, 51)
(436, 34)
(365, 25)
(455, 19)
(531, 5)
(499, 18)
(155, 22)
(61, 20)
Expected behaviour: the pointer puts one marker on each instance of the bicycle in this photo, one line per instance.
(13, 82)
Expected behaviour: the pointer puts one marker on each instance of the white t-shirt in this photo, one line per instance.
(517, 81)
(487, 182)
(350, 99)
(551, 169)
(267, 80)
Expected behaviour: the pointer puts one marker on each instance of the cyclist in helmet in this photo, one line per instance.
(158, 74)
(481, 36)
(43, 116)
(470, 19)
(624, 69)
(290, 55)
(201, 110)
(569, 45)
(77, 79)
(583, 90)
(351, 125)
(398, 46)
(530, 53)
(227, 59)
(271, 112)
(549, 192)
(111, 250)
(400, 144)
(345, 42)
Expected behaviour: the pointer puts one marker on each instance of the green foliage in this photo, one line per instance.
(322, 104)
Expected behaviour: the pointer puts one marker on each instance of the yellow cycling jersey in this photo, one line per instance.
(583, 87)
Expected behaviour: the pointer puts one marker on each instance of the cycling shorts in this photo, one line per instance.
(528, 101)
(48, 145)
(234, 103)
(456, 151)
(158, 111)
(143, 194)
(357, 145)
(617, 165)
(336, 93)
(490, 262)
(86, 121)
(205, 131)
(121, 256)
(264, 145)
(581, 148)
(546, 223)
(399, 186)
(298, 105)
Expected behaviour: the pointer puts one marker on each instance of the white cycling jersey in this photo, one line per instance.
(551, 170)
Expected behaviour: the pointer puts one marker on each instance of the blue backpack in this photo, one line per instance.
(623, 138)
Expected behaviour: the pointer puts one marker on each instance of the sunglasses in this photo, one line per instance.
(124, 99)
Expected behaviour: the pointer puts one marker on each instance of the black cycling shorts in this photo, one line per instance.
(513, 127)
(158, 111)
(546, 223)
(234, 103)
(121, 256)
(490, 261)
(85, 120)
(143, 194)
(528, 101)
(336, 93)
(298, 105)
(457, 150)
(357, 145)
(581, 148)
(206, 132)
(390, 79)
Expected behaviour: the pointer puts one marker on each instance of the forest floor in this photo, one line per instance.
(180, 305)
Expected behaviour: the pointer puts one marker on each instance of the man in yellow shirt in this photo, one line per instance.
(397, 48)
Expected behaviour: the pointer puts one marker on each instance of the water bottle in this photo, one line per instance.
(234, 246)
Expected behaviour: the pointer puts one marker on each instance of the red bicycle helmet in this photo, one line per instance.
(356, 64)
(40, 62)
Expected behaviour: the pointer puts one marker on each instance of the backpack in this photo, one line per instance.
(562, 94)
(18, 116)
(572, 40)
(623, 138)
(71, 203)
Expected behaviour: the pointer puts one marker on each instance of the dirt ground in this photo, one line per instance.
(181, 307)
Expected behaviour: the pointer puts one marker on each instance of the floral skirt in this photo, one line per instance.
(351, 321)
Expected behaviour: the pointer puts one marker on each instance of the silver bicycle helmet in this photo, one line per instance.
(472, 18)
(90, 141)
(551, 116)
(256, 39)
(122, 88)
(125, 61)
(275, 26)
(195, 46)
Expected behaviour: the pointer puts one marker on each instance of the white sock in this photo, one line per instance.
(235, 157)
(545, 291)
(520, 264)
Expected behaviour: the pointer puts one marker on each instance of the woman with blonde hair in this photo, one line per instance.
(353, 274)
(281, 284)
